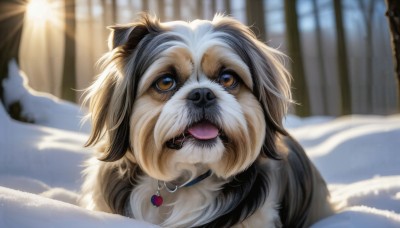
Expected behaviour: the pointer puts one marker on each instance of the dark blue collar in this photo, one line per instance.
(198, 179)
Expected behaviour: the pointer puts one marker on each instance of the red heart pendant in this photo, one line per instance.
(156, 200)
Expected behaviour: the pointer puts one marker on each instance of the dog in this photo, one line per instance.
(187, 121)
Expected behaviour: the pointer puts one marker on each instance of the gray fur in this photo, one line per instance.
(240, 39)
(304, 188)
(133, 48)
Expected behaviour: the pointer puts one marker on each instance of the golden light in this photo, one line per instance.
(39, 10)
(44, 15)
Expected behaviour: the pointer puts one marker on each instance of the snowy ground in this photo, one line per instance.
(40, 165)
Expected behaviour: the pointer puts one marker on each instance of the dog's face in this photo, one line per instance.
(178, 97)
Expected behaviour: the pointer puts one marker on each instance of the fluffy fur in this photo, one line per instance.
(261, 177)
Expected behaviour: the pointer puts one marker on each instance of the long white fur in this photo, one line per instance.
(241, 118)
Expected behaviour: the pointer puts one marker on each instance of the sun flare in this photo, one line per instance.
(39, 10)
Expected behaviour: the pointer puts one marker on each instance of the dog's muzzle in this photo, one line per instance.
(203, 112)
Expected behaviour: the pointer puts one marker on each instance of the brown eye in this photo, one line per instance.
(228, 80)
(165, 83)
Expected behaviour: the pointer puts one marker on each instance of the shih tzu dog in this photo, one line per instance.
(188, 119)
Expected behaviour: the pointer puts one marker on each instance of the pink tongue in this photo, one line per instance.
(203, 131)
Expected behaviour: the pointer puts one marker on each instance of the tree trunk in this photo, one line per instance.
(104, 19)
(368, 14)
(145, 5)
(91, 29)
(177, 9)
(50, 58)
(161, 9)
(256, 18)
(213, 8)
(11, 25)
(227, 4)
(130, 5)
(393, 15)
(114, 11)
(69, 71)
(321, 59)
(342, 62)
(199, 9)
(300, 90)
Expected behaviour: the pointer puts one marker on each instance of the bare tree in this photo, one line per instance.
(227, 4)
(300, 90)
(145, 5)
(114, 11)
(256, 19)
(105, 18)
(50, 58)
(130, 5)
(161, 9)
(91, 28)
(199, 9)
(213, 7)
(177, 9)
(320, 55)
(368, 15)
(11, 24)
(342, 62)
(69, 71)
(393, 15)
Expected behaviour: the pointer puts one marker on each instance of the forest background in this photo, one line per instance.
(339, 52)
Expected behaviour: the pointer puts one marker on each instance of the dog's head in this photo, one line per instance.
(184, 96)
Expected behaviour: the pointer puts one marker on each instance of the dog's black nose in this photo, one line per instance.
(202, 97)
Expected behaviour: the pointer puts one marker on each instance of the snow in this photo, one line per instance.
(21, 209)
(41, 164)
(43, 108)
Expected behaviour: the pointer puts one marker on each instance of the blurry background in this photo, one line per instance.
(339, 51)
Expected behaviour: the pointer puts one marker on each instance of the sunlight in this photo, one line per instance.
(42, 42)
(42, 15)
(39, 10)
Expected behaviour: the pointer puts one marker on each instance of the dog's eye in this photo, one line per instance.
(228, 79)
(165, 83)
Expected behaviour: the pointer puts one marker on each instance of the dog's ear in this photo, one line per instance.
(128, 34)
(271, 81)
(112, 95)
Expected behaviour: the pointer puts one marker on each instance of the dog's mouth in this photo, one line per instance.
(202, 133)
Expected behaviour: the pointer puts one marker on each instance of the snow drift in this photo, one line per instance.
(40, 164)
